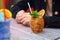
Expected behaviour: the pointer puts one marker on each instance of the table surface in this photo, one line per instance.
(21, 32)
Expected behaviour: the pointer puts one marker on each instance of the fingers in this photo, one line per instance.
(19, 19)
(25, 22)
(20, 13)
(23, 18)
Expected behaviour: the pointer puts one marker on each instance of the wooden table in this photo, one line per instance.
(20, 32)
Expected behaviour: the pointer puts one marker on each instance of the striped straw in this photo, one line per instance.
(29, 7)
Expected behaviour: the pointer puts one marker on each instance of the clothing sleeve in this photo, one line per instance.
(17, 7)
(52, 22)
(40, 4)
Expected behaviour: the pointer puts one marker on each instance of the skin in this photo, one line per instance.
(49, 7)
(24, 18)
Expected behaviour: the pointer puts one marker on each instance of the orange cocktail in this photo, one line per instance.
(37, 22)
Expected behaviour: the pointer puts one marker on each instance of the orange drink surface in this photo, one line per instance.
(37, 23)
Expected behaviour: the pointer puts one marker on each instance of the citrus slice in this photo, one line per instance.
(42, 12)
(8, 13)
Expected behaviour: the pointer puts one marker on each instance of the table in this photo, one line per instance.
(21, 32)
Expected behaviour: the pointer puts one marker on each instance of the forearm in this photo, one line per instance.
(49, 7)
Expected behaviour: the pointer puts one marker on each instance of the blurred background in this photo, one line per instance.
(52, 6)
(11, 3)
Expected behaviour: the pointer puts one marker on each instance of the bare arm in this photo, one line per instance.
(49, 7)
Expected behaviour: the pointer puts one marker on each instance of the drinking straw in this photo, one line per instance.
(29, 7)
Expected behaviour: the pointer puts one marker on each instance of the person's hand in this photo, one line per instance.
(23, 17)
(19, 14)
